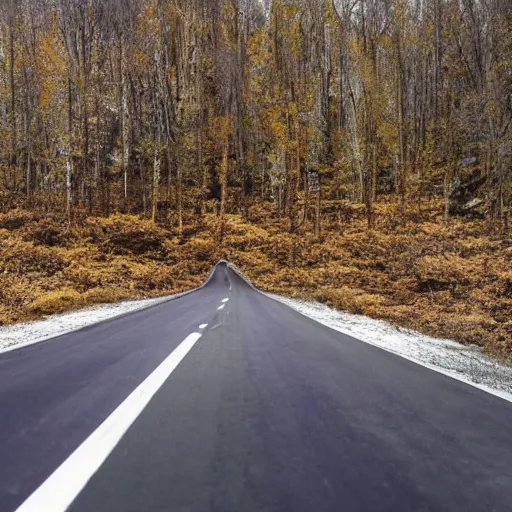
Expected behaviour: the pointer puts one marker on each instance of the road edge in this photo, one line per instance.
(165, 299)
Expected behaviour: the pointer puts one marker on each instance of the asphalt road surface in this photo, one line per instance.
(267, 411)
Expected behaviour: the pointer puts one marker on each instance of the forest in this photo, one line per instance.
(358, 152)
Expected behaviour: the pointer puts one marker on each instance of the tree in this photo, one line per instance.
(162, 106)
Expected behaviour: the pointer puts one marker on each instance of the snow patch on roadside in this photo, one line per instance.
(464, 363)
(28, 333)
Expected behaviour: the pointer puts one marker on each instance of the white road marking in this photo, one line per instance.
(221, 307)
(60, 489)
(225, 300)
(202, 326)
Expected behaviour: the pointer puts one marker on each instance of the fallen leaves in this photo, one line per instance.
(454, 283)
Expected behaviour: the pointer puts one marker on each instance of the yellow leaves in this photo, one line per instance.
(351, 300)
(411, 40)
(222, 127)
(56, 302)
(288, 16)
(148, 14)
(227, 26)
(52, 67)
(258, 67)
(330, 13)
(149, 24)
(386, 42)
(355, 46)
(289, 11)
(389, 135)
(277, 126)
(280, 120)
(293, 109)
(279, 130)
(255, 44)
(50, 51)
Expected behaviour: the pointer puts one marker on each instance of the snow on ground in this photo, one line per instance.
(465, 363)
(28, 333)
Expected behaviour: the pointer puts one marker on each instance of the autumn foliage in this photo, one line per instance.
(453, 282)
(357, 152)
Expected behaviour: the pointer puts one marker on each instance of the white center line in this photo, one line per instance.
(65, 483)
(225, 300)
(221, 307)
(202, 326)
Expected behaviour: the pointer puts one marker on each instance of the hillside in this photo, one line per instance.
(355, 152)
(453, 282)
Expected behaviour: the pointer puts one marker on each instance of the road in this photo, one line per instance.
(267, 411)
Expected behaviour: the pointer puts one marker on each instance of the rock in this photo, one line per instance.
(469, 160)
(474, 203)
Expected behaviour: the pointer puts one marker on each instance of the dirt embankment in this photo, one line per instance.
(453, 282)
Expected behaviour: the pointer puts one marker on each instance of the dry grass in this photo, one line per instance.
(453, 282)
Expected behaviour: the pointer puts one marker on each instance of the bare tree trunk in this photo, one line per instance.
(401, 142)
(27, 137)
(447, 188)
(156, 179)
(14, 135)
(179, 198)
(369, 191)
(437, 67)
(85, 106)
(123, 121)
(69, 169)
(318, 219)
(223, 189)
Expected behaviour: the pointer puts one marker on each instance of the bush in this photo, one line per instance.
(104, 295)
(48, 234)
(351, 300)
(22, 257)
(56, 302)
(15, 219)
(437, 273)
